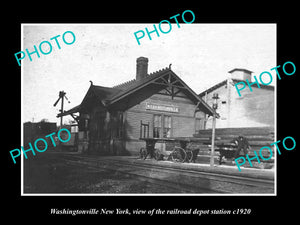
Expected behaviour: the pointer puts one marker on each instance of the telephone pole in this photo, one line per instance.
(215, 106)
(61, 97)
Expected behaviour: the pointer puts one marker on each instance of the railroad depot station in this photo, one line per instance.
(160, 105)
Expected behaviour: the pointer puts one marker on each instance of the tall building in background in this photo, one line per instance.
(252, 109)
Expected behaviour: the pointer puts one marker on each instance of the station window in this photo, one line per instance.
(120, 125)
(199, 125)
(157, 126)
(162, 126)
(167, 126)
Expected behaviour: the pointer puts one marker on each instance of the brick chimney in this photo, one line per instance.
(240, 74)
(141, 68)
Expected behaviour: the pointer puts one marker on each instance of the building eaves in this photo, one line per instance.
(235, 81)
(133, 85)
(240, 69)
(110, 95)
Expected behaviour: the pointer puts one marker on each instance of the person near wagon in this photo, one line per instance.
(242, 144)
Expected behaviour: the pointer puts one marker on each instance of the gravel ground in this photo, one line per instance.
(49, 174)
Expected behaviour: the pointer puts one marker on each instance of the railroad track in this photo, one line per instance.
(177, 179)
(173, 187)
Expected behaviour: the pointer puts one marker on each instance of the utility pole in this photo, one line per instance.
(62, 95)
(215, 106)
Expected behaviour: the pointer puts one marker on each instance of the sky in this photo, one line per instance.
(201, 55)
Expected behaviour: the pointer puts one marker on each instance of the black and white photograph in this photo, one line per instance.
(138, 112)
(114, 114)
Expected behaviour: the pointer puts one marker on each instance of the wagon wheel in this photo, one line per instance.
(178, 154)
(189, 156)
(157, 154)
(220, 159)
(143, 153)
